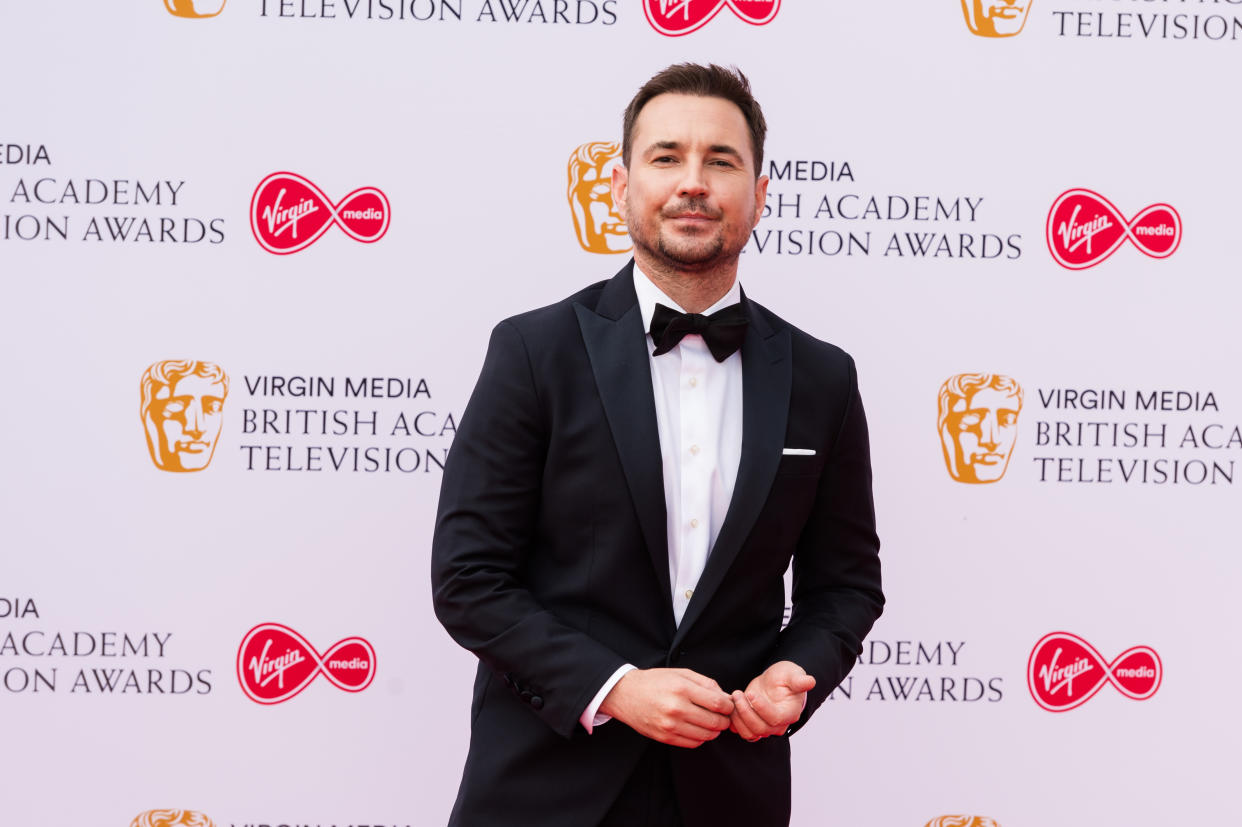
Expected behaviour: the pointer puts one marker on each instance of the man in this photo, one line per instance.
(618, 511)
(978, 424)
(182, 411)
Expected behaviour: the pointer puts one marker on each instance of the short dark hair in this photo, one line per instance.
(709, 81)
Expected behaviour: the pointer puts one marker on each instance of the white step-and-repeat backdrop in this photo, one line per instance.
(250, 252)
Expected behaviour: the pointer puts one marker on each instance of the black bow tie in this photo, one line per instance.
(723, 331)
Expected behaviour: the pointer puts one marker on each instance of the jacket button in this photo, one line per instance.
(525, 695)
(536, 702)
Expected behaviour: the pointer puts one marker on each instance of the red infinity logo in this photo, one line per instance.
(288, 213)
(274, 663)
(1084, 228)
(677, 17)
(1065, 672)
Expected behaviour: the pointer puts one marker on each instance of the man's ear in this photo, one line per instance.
(620, 182)
(761, 198)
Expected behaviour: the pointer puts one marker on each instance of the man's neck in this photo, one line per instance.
(693, 290)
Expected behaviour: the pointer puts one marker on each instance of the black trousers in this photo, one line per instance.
(649, 798)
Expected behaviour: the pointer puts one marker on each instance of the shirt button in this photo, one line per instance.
(694, 382)
(689, 593)
(694, 449)
(694, 523)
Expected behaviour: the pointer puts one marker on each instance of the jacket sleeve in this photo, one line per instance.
(485, 531)
(836, 566)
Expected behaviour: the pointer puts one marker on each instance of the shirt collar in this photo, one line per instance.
(649, 295)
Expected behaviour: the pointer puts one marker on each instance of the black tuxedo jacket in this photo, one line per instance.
(550, 558)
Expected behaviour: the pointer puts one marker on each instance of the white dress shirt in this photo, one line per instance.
(698, 407)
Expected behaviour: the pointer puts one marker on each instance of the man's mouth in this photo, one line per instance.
(692, 211)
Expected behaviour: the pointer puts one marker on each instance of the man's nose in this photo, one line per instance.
(692, 183)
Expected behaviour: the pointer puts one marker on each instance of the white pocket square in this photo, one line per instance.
(798, 452)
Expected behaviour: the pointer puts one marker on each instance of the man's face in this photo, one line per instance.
(601, 229)
(690, 196)
(980, 431)
(997, 18)
(183, 423)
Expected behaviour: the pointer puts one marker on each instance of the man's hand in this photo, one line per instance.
(674, 706)
(772, 702)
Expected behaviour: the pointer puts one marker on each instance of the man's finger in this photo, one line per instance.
(714, 699)
(701, 680)
(689, 732)
(802, 683)
(766, 710)
(747, 724)
(706, 719)
(743, 731)
(681, 741)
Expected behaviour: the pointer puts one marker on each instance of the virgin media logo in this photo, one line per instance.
(288, 213)
(677, 17)
(1084, 228)
(1065, 672)
(274, 663)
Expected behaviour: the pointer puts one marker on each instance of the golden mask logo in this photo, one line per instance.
(194, 8)
(996, 18)
(963, 821)
(171, 818)
(182, 411)
(600, 228)
(978, 425)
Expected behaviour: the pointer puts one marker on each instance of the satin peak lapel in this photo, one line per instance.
(616, 345)
(767, 378)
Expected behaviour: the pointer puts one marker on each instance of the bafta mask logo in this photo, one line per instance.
(600, 228)
(171, 818)
(978, 425)
(182, 411)
(194, 9)
(963, 821)
(996, 18)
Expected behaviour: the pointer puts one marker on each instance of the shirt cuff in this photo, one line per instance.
(591, 717)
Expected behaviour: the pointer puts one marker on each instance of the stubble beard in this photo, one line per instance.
(694, 253)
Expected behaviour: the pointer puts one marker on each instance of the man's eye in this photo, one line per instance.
(969, 420)
(174, 407)
(213, 405)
